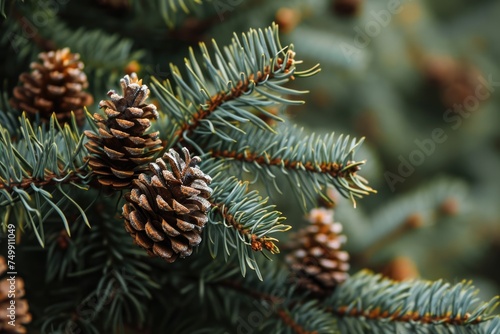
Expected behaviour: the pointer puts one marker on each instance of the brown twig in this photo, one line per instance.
(343, 311)
(240, 88)
(332, 168)
(49, 179)
(257, 244)
(273, 300)
(288, 320)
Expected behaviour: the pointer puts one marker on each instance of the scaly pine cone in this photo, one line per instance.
(54, 86)
(166, 213)
(122, 149)
(21, 312)
(317, 261)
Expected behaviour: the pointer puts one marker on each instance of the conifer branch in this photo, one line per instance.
(242, 221)
(256, 243)
(216, 95)
(240, 88)
(49, 179)
(384, 303)
(289, 321)
(45, 157)
(116, 276)
(332, 168)
(324, 159)
(288, 312)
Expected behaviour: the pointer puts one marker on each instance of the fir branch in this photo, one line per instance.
(388, 304)
(251, 74)
(240, 88)
(309, 161)
(241, 220)
(290, 322)
(62, 252)
(306, 318)
(285, 310)
(48, 180)
(42, 157)
(288, 311)
(112, 278)
(256, 243)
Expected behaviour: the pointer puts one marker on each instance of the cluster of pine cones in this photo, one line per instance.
(168, 199)
(167, 205)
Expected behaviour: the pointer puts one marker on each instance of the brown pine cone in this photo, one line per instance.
(317, 261)
(122, 148)
(166, 212)
(54, 86)
(20, 308)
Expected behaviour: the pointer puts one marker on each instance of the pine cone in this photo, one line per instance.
(21, 310)
(122, 149)
(166, 213)
(317, 261)
(56, 85)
